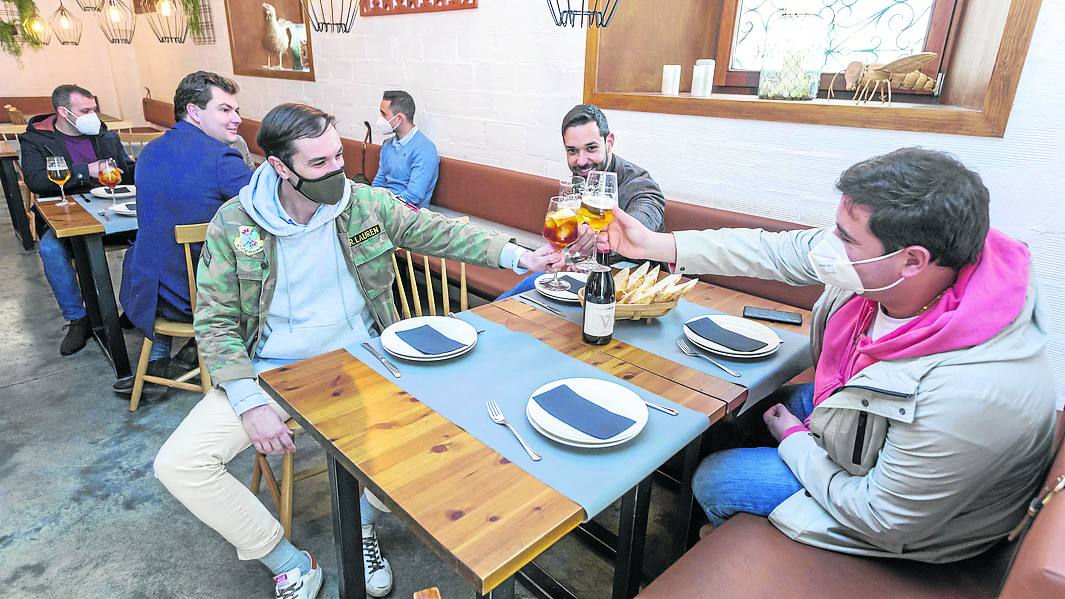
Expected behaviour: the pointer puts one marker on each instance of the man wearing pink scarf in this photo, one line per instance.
(929, 424)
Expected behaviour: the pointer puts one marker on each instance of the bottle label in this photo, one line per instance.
(599, 319)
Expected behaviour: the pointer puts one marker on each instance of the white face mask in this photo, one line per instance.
(833, 267)
(86, 124)
(384, 127)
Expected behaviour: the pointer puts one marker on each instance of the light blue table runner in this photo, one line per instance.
(117, 223)
(761, 376)
(508, 366)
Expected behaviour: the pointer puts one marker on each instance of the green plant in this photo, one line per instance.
(11, 40)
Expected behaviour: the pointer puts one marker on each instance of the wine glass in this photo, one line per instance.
(110, 176)
(58, 173)
(560, 230)
(598, 202)
(571, 187)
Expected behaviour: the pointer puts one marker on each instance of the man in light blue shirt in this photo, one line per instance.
(410, 163)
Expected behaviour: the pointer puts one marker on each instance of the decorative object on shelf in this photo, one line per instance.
(201, 22)
(270, 39)
(377, 8)
(66, 26)
(670, 79)
(90, 5)
(168, 22)
(703, 78)
(578, 13)
(904, 73)
(117, 21)
(794, 57)
(332, 16)
(37, 29)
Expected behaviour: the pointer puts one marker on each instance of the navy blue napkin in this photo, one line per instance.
(711, 331)
(429, 341)
(589, 418)
(575, 284)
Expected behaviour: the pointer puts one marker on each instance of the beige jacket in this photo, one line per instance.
(953, 445)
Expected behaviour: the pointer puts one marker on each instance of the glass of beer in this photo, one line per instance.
(571, 187)
(598, 201)
(58, 173)
(560, 230)
(110, 176)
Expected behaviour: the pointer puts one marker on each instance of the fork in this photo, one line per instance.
(452, 315)
(687, 349)
(104, 214)
(497, 416)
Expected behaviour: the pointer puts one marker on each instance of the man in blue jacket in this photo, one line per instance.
(410, 163)
(182, 178)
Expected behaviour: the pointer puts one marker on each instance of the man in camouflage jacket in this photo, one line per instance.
(300, 263)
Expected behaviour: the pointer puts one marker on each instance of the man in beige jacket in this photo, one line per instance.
(930, 420)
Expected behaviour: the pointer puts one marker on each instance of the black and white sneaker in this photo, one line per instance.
(294, 585)
(375, 567)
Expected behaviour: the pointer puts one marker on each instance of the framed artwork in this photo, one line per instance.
(270, 39)
(376, 8)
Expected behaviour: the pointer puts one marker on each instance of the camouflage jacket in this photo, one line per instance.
(234, 287)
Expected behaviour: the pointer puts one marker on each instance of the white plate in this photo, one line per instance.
(747, 328)
(702, 344)
(103, 192)
(605, 394)
(459, 330)
(562, 441)
(126, 209)
(562, 296)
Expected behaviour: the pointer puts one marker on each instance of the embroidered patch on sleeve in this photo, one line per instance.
(367, 234)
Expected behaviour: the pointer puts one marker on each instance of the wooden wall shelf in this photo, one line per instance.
(976, 100)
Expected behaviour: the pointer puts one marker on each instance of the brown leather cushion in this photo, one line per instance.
(681, 216)
(1039, 569)
(353, 158)
(748, 557)
(28, 105)
(514, 199)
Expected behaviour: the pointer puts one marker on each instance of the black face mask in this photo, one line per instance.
(327, 189)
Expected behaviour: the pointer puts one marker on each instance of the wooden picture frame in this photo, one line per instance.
(248, 22)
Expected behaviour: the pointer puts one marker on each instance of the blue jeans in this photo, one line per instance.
(161, 345)
(524, 285)
(750, 479)
(56, 255)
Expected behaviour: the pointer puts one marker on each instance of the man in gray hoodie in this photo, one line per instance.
(298, 265)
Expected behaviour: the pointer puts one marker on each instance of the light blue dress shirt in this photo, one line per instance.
(409, 168)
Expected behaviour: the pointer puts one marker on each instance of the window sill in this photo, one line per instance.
(901, 116)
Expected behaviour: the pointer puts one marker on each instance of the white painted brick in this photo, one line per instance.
(504, 136)
(466, 130)
(494, 78)
(454, 76)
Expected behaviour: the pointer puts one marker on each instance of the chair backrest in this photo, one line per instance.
(187, 235)
(16, 116)
(430, 593)
(135, 142)
(412, 280)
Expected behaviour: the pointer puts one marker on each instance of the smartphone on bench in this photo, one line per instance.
(772, 315)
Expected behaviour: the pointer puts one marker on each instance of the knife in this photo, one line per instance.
(550, 309)
(395, 371)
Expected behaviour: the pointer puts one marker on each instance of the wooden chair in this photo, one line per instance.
(135, 142)
(415, 295)
(28, 198)
(16, 115)
(429, 593)
(283, 492)
(185, 235)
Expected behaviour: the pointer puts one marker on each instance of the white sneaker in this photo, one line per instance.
(293, 585)
(374, 566)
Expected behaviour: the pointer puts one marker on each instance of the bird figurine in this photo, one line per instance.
(867, 80)
(281, 36)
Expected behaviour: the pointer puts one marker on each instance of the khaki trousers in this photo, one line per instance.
(192, 466)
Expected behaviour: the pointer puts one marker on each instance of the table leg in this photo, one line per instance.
(347, 530)
(685, 499)
(13, 196)
(632, 533)
(99, 297)
(541, 584)
(505, 590)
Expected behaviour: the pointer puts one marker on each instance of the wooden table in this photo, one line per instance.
(482, 514)
(86, 235)
(13, 196)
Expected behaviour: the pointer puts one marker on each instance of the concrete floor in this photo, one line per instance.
(82, 516)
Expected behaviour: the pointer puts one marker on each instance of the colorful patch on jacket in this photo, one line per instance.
(367, 234)
(248, 241)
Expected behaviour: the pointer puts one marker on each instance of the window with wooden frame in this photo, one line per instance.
(866, 31)
(985, 44)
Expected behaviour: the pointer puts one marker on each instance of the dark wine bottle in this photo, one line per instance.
(599, 304)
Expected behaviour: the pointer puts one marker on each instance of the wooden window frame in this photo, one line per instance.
(940, 27)
(978, 94)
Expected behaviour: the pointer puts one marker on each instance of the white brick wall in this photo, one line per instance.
(492, 85)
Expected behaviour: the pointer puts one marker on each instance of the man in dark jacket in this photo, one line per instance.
(182, 178)
(76, 133)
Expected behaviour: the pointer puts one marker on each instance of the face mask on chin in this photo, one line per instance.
(833, 267)
(327, 189)
(86, 124)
